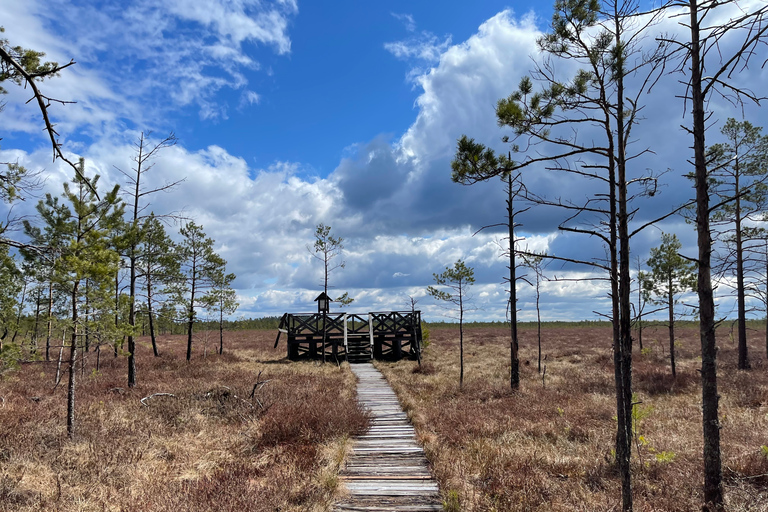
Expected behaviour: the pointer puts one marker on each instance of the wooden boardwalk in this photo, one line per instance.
(387, 470)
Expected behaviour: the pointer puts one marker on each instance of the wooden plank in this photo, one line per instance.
(387, 470)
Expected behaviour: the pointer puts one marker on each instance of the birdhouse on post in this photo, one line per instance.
(323, 303)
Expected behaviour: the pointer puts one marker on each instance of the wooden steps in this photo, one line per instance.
(387, 470)
(359, 349)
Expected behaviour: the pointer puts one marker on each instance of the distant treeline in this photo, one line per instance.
(271, 323)
(751, 324)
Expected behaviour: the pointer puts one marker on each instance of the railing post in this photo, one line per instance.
(370, 331)
(345, 334)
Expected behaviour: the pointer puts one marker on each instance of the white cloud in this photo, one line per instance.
(249, 98)
(407, 19)
(393, 202)
(426, 47)
(160, 57)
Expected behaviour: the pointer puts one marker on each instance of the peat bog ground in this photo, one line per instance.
(548, 446)
(209, 447)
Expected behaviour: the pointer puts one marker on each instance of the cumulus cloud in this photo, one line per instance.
(390, 198)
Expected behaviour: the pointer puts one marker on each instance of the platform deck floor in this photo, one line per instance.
(387, 470)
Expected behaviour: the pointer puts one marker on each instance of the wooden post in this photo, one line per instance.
(345, 334)
(397, 349)
(370, 332)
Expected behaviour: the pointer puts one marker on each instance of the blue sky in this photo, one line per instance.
(293, 113)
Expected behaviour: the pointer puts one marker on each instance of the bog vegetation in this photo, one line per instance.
(549, 445)
(242, 431)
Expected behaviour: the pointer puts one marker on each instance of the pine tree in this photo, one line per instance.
(158, 266)
(199, 263)
(457, 279)
(671, 275)
(221, 299)
(739, 171)
(85, 255)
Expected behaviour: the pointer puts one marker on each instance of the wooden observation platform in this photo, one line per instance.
(390, 335)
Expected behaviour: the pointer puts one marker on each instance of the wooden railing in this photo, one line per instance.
(338, 326)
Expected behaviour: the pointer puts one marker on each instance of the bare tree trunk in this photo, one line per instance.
(538, 317)
(191, 318)
(671, 301)
(713, 473)
(85, 318)
(743, 363)
(151, 322)
(221, 330)
(50, 320)
(117, 305)
(58, 365)
(132, 319)
(36, 333)
(72, 370)
(21, 307)
(624, 356)
(514, 374)
(461, 339)
(640, 305)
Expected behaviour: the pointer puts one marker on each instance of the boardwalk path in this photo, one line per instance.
(387, 470)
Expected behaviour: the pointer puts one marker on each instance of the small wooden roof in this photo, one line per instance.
(325, 296)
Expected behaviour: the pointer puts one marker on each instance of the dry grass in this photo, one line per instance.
(548, 447)
(209, 447)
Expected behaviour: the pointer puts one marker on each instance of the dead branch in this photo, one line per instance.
(259, 384)
(43, 102)
(145, 404)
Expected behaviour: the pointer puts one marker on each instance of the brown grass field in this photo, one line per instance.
(548, 447)
(208, 448)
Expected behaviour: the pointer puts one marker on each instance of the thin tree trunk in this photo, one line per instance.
(538, 317)
(671, 301)
(132, 321)
(325, 291)
(713, 472)
(85, 318)
(72, 370)
(50, 321)
(151, 321)
(221, 329)
(58, 365)
(639, 308)
(743, 363)
(132, 261)
(461, 338)
(117, 305)
(514, 374)
(21, 308)
(625, 325)
(37, 322)
(191, 318)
